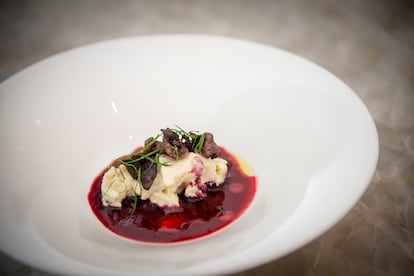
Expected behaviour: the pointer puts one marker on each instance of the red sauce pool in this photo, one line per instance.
(150, 223)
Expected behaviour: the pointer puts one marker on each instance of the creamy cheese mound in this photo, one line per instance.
(191, 174)
(116, 185)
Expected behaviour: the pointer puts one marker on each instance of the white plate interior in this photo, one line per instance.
(306, 135)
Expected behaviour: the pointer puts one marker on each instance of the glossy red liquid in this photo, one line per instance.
(149, 223)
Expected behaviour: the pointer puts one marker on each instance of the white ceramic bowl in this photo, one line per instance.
(308, 138)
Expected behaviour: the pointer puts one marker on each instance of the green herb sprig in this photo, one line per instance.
(131, 160)
(196, 138)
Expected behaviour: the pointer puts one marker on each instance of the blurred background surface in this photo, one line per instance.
(368, 44)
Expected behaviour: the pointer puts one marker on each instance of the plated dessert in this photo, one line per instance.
(179, 186)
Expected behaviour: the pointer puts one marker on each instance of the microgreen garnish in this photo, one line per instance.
(198, 142)
(138, 183)
(181, 131)
(141, 154)
(196, 138)
(153, 149)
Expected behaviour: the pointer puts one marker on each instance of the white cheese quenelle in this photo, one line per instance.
(191, 174)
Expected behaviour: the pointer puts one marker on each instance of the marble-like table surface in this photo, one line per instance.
(368, 44)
